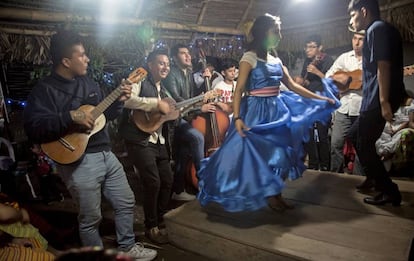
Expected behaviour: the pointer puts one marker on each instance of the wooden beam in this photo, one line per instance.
(202, 13)
(244, 17)
(173, 4)
(26, 31)
(138, 9)
(11, 14)
(32, 15)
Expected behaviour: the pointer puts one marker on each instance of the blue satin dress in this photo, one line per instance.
(243, 172)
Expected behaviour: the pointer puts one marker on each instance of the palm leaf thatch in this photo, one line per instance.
(24, 48)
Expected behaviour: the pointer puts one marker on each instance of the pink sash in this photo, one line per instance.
(265, 91)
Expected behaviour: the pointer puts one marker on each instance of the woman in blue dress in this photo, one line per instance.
(264, 144)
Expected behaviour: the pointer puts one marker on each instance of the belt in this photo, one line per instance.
(265, 92)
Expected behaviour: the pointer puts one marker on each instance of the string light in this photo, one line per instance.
(108, 78)
(12, 102)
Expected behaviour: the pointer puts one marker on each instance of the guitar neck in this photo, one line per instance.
(108, 101)
(189, 101)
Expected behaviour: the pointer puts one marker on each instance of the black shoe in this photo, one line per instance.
(382, 199)
(368, 184)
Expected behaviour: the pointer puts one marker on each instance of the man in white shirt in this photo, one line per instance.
(350, 102)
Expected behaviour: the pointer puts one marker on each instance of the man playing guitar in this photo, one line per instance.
(148, 151)
(52, 110)
(350, 102)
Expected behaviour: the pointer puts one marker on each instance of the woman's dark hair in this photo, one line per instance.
(371, 5)
(61, 45)
(259, 30)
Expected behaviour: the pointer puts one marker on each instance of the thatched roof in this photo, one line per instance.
(125, 30)
(122, 33)
(187, 20)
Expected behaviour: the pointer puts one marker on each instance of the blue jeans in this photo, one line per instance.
(96, 173)
(187, 139)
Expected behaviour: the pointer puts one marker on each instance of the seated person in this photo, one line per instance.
(51, 186)
(199, 80)
(227, 85)
(395, 135)
(19, 240)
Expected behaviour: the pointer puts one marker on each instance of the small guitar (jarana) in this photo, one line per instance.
(72, 146)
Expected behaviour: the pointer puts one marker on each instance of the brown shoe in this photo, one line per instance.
(156, 236)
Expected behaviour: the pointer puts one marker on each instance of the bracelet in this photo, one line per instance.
(236, 118)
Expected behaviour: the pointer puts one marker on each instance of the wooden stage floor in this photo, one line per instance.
(329, 222)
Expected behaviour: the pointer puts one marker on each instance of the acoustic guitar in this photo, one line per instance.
(353, 80)
(152, 121)
(72, 146)
(348, 80)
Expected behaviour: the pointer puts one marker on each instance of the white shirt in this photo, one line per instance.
(401, 116)
(228, 89)
(146, 104)
(351, 100)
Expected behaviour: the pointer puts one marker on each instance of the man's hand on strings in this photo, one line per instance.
(126, 87)
(208, 107)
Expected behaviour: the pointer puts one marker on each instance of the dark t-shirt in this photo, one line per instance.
(315, 83)
(382, 43)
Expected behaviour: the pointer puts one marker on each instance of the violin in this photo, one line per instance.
(316, 60)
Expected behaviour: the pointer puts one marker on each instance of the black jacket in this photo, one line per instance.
(315, 83)
(128, 129)
(181, 86)
(47, 117)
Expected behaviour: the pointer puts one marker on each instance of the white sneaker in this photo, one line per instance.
(183, 196)
(139, 252)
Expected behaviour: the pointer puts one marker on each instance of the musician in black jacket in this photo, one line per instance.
(180, 83)
(52, 109)
(148, 151)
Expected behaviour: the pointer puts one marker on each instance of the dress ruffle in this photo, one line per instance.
(244, 171)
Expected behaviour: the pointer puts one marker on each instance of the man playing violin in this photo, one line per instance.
(315, 66)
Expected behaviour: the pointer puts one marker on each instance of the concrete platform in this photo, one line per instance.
(329, 222)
